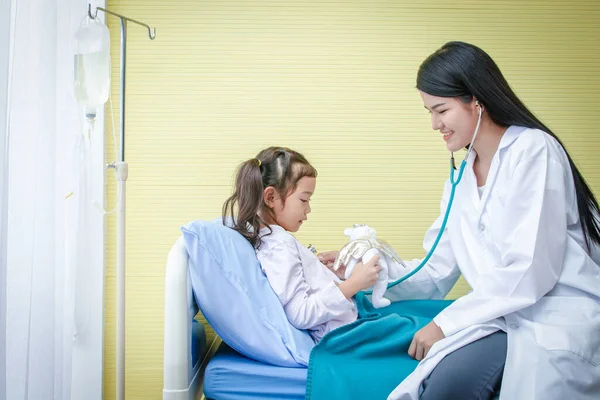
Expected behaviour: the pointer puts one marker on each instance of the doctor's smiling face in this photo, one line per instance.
(455, 119)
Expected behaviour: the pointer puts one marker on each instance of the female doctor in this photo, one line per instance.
(523, 231)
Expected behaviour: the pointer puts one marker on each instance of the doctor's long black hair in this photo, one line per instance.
(465, 71)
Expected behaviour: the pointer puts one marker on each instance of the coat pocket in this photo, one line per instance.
(570, 324)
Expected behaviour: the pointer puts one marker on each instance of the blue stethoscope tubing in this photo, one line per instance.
(454, 183)
(444, 222)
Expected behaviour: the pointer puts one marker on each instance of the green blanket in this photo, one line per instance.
(368, 358)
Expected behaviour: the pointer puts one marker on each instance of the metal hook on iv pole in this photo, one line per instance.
(151, 31)
(151, 35)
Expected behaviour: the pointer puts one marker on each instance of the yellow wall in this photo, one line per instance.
(335, 80)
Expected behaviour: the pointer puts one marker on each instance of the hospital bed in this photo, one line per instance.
(197, 369)
(183, 367)
(194, 369)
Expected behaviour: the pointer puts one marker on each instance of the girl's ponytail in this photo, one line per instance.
(248, 196)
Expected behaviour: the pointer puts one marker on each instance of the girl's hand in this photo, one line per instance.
(328, 258)
(424, 339)
(363, 276)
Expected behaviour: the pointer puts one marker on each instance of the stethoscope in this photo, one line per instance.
(454, 182)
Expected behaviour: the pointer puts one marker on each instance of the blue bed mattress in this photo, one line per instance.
(231, 376)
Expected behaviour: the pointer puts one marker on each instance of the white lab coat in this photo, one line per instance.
(521, 249)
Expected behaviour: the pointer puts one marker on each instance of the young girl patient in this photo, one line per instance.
(272, 199)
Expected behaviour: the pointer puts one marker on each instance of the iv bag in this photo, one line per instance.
(92, 65)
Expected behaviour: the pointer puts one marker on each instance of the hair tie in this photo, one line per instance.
(259, 163)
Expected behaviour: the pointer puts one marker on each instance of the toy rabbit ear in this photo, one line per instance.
(348, 231)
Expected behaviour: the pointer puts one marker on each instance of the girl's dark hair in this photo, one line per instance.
(465, 71)
(278, 167)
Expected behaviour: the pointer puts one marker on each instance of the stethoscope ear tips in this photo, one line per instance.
(477, 104)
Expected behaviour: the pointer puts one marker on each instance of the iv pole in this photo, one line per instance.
(121, 171)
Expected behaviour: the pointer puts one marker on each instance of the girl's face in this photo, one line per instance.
(294, 212)
(455, 119)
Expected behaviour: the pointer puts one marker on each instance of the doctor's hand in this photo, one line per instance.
(424, 339)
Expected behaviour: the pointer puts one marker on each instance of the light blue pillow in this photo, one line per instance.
(236, 299)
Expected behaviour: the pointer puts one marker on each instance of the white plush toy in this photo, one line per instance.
(363, 246)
